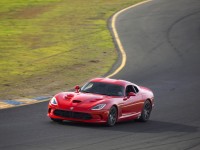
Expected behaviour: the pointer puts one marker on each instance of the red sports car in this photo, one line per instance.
(103, 100)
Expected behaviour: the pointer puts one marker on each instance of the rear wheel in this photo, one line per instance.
(56, 120)
(112, 117)
(146, 112)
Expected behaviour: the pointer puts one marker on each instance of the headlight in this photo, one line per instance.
(98, 107)
(54, 101)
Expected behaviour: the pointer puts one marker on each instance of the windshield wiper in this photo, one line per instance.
(85, 91)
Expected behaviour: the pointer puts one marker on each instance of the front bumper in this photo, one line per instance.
(92, 116)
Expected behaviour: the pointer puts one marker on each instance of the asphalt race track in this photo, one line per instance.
(162, 42)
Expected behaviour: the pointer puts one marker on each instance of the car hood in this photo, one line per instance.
(67, 100)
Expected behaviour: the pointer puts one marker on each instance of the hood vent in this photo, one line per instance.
(68, 96)
(76, 101)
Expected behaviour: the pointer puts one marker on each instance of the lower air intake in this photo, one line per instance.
(70, 114)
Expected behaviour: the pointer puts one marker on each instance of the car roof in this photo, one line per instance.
(111, 81)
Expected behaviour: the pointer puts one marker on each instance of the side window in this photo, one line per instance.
(136, 89)
(129, 89)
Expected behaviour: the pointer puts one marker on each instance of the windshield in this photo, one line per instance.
(103, 89)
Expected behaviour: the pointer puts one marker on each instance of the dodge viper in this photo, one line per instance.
(103, 100)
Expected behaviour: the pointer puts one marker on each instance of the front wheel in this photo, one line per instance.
(146, 112)
(112, 117)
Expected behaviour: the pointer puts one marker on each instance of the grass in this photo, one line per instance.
(50, 45)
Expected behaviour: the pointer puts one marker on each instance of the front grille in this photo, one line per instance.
(71, 114)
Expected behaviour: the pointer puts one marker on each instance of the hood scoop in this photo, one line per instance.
(76, 101)
(68, 96)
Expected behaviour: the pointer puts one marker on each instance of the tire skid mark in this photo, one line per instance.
(169, 40)
(154, 143)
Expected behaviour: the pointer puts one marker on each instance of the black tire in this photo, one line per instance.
(112, 117)
(146, 111)
(56, 120)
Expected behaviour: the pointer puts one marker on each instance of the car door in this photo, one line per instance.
(137, 100)
(131, 104)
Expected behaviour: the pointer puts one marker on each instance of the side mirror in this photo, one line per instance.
(77, 88)
(131, 94)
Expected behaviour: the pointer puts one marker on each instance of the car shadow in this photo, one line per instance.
(152, 126)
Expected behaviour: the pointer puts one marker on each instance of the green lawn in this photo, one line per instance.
(48, 46)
